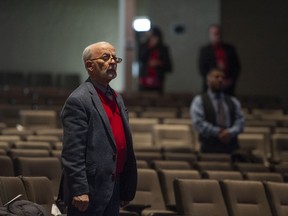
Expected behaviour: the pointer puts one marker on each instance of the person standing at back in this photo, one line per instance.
(99, 166)
(221, 55)
(217, 116)
(155, 62)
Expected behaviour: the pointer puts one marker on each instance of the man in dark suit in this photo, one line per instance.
(220, 55)
(99, 166)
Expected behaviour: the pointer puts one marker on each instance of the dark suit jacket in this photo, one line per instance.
(207, 60)
(89, 151)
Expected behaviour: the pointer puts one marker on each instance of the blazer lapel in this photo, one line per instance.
(123, 113)
(99, 107)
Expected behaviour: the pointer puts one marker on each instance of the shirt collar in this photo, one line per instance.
(100, 87)
(215, 95)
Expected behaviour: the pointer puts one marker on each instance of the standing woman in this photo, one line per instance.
(155, 63)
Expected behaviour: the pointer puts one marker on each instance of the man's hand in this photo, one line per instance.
(81, 202)
(124, 203)
(224, 136)
(154, 63)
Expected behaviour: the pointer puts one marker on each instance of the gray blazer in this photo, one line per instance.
(89, 152)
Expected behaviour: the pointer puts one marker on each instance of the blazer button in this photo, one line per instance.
(114, 157)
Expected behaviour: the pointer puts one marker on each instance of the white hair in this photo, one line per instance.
(86, 55)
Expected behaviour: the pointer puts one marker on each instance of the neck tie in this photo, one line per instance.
(221, 115)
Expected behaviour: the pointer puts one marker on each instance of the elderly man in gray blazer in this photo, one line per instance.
(99, 166)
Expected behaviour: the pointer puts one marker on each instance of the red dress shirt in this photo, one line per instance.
(115, 119)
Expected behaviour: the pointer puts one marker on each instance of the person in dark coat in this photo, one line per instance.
(155, 62)
(99, 166)
(221, 55)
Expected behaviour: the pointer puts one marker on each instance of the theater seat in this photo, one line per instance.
(13, 153)
(6, 166)
(167, 177)
(10, 187)
(49, 167)
(199, 197)
(251, 167)
(245, 198)
(258, 176)
(209, 165)
(277, 196)
(222, 175)
(142, 164)
(172, 165)
(39, 190)
(148, 193)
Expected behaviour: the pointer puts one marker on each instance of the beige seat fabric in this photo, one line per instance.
(149, 192)
(245, 198)
(39, 190)
(253, 142)
(172, 135)
(38, 118)
(189, 157)
(258, 176)
(199, 197)
(214, 157)
(51, 132)
(209, 165)
(43, 138)
(4, 145)
(148, 156)
(277, 196)
(10, 187)
(167, 178)
(6, 166)
(18, 132)
(10, 139)
(222, 175)
(142, 164)
(13, 153)
(280, 147)
(172, 165)
(32, 145)
(142, 129)
(251, 167)
(49, 167)
(3, 152)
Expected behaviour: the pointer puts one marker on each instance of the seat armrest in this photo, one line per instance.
(138, 208)
(171, 207)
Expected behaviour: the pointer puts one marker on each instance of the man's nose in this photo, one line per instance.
(113, 60)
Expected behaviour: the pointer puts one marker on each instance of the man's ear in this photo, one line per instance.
(89, 66)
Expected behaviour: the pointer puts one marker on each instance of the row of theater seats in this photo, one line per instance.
(172, 132)
(42, 79)
(196, 195)
(49, 167)
(239, 170)
(169, 170)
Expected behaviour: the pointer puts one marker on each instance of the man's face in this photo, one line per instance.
(215, 35)
(102, 67)
(215, 80)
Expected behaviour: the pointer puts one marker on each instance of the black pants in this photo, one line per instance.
(112, 209)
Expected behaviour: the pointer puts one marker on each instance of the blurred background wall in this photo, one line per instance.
(259, 31)
(49, 35)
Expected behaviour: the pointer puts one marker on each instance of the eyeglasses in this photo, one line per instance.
(107, 57)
